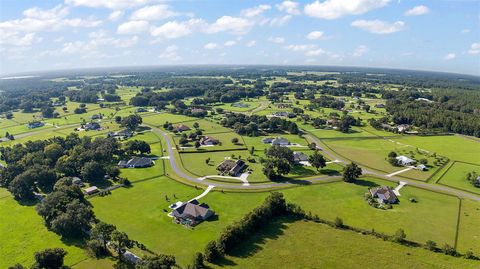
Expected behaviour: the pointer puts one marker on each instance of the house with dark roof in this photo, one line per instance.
(231, 167)
(267, 140)
(284, 106)
(141, 109)
(136, 162)
(208, 141)
(96, 116)
(280, 141)
(379, 105)
(181, 128)
(90, 126)
(121, 134)
(192, 213)
(35, 124)
(384, 195)
(299, 157)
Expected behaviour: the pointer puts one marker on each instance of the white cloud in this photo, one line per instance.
(474, 49)
(233, 25)
(301, 47)
(111, 4)
(279, 21)
(175, 29)
(115, 15)
(360, 50)
(449, 56)
(210, 46)
(251, 43)
(333, 9)
(255, 11)
(278, 39)
(379, 27)
(46, 14)
(155, 12)
(315, 52)
(315, 35)
(170, 53)
(19, 40)
(417, 11)
(465, 31)
(132, 27)
(230, 43)
(290, 7)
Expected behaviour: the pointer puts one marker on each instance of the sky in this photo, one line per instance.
(436, 35)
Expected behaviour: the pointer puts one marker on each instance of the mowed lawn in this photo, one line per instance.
(139, 211)
(434, 217)
(312, 245)
(456, 176)
(373, 153)
(158, 119)
(22, 233)
(225, 140)
(469, 232)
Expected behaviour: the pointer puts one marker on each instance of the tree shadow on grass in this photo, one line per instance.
(330, 172)
(301, 170)
(365, 183)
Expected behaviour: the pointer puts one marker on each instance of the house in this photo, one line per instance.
(181, 128)
(403, 127)
(91, 190)
(77, 181)
(198, 110)
(280, 141)
(380, 105)
(240, 105)
(284, 114)
(35, 124)
(424, 100)
(230, 167)
(405, 161)
(96, 116)
(421, 167)
(91, 126)
(284, 106)
(267, 140)
(387, 126)
(136, 162)
(141, 109)
(191, 213)
(121, 134)
(384, 195)
(299, 157)
(208, 141)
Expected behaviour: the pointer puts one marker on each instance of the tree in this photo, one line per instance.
(137, 146)
(345, 123)
(392, 154)
(274, 168)
(131, 122)
(183, 141)
(338, 222)
(207, 160)
(252, 150)
(92, 171)
(423, 161)
(430, 245)
(449, 250)
(157, 262)
(399, 236)
(211, 252)
(235, 140)
(196, 125)
(317, 160)
(351, 172)
(198, 261)
(280, 153)
(120, 242)
(312, 146)
(103, 232)
(50, 258)
(17, 266)
(47, 111)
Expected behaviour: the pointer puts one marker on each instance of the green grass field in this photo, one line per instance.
(312, 245)
(434, 217)
(456, 177)
(22, 233)
(158, 119)
(469, 234)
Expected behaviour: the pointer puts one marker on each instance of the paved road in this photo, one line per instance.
(179, 172)
(424, 185)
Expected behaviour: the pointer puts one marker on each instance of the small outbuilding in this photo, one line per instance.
(384, 195)
(299, 157)
(91, 190)
(181, 128)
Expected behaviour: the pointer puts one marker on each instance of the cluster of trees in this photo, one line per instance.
(51, 258)
(39, 164)
(254, 125)
(131, 122)
(273, 207)
(137, 147)
(455, 111)
(327, 101)
(474, 178)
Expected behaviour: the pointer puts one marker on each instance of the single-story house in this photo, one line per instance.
(384, 195)
(198, 110)
(141, 109)
(299, 156)
(35, 124)
(77, 181)
(405, 161)
(96, 116)
(136, 162)
(380, 105)
(403, 127)
(121, 134)
(241, 105)
(207, 140)
(192, 213)
(280, 141)
(91, 190)
(92, 126)
(421, 167)
(232, 168)
(283, 106)
(181, 128)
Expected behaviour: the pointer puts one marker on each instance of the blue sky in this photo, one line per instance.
(423, 35)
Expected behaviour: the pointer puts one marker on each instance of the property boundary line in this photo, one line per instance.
(457, 230)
